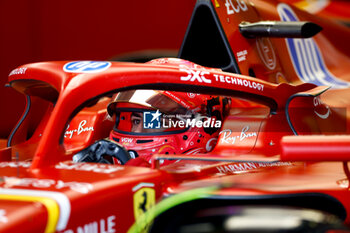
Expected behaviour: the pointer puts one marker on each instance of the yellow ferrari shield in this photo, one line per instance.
(144, 199)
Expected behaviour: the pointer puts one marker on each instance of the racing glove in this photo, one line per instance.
(100, 150)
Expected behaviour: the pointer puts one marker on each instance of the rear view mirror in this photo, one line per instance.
(307, 114)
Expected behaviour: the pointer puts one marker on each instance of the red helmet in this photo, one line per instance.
(167, 122)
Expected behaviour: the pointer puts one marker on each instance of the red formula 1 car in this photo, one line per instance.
(277, 159)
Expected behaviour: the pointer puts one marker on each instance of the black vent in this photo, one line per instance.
(205, 42)
(144, 141)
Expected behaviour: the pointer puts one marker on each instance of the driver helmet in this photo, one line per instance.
(166, 122)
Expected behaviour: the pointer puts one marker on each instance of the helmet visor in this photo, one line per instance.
(164, 101)
(149, 111)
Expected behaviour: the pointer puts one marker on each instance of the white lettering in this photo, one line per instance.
(221, 169)
(15, 164)
(245, 135)
(237, 167)
(18, 71)
(317, 101)
(111, 223)
(129, 140)
(228, 139)
(238, 81)
(105, 225)
(44, 183)
(98, 168)
(88, 228)
(241, 56)
(242, 167)
(47, 183)
(79, 130)
(102, 226)
(76, 186)
(232, 8)
(194, 75)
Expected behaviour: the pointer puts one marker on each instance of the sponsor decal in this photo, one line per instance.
(306, 56)
(81, 128)
(104, 225)
(15, 164)
(200, 76)
(266, 52)
(97, 168)
(79, 187)
(241, 56)
(86, 66)
(127, 140)
(239, 81)
(244, 167)
(18, 71)
(235, 6)
(318, 102)
(227, 137)
(238, 167)
(193, 75)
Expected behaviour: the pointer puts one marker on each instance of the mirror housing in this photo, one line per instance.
(315, 148)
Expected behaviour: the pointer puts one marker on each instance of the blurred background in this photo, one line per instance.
(40, 30)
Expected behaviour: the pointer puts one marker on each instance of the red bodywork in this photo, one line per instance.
(334, 9)
(259, 156)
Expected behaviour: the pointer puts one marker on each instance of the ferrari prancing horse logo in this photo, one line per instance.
(144, 199)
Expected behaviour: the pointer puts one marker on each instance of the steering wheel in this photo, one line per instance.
(97, 152)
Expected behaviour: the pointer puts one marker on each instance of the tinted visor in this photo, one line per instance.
(161, 100)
